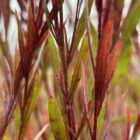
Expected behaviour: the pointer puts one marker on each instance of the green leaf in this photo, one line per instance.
(17, 119)
(94, 35)
(52, 52)
(77, 71)
(124, 61)
(56, 120)
(30, 106)
(101, 120)
(94, 39)
(131, 22)
(81, 27)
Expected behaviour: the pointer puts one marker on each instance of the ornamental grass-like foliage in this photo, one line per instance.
(69, 70)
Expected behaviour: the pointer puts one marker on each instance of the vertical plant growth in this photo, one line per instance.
(62, 60)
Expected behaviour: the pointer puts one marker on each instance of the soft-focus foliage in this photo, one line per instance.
(62, 78)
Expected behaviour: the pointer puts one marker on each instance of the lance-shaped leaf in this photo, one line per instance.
(56, 120)
(80, 28)
(53, 57)
(131, 21)
(30, 106)
(112, 61)
(102, 56)
(111, 65)
(77, 71)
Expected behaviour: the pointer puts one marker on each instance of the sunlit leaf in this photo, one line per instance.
(56, 120)
(53, 58)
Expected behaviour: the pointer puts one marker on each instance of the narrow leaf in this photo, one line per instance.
(94, 35)
(56, 120)
(112, 61)
(102, 56)
(53, 55)
(77, 71)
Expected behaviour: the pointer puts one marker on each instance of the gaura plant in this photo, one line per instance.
(71, 73)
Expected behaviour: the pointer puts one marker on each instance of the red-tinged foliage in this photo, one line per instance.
(102, 60)
(107, 11)
(28, 46)
(105, 66)
(50, 66)
(112, 61)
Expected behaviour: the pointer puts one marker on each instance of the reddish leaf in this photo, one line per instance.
(102, 56)
(112, 61)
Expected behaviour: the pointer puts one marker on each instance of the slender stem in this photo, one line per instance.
(69, 110)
